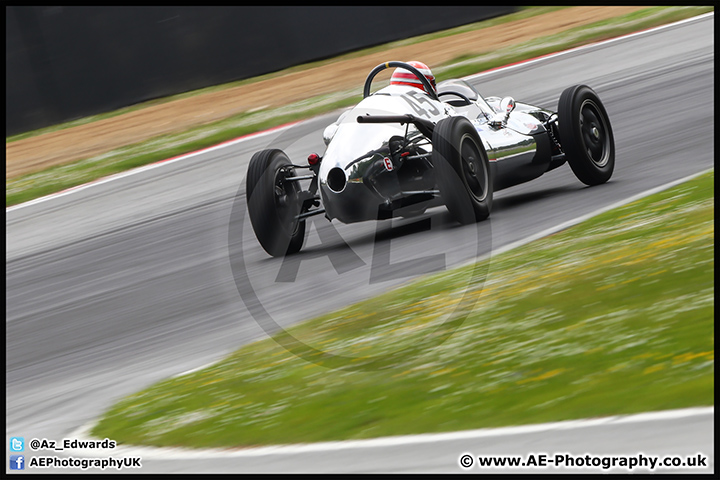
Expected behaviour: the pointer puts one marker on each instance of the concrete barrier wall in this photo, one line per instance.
(64, 63)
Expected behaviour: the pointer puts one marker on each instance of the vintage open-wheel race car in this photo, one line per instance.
(404, 149)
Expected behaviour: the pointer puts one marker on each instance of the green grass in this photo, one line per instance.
(524, 12)
(54, 179)
(612, 316)
(34, 185)
(469, 63)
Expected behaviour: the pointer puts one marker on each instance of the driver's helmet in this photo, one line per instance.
(402, 76)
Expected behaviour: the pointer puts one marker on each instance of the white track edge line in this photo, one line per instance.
(83, 431)
(153, 165)
(278, 129)
(587, 46)
(186, 453)
(170, 453)
(587, 216)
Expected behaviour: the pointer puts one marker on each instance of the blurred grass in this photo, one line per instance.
(55, 179)
(524, 12)
(612, 316)
(469, 63)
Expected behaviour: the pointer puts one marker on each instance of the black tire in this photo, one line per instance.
(273, 204)
(586, 135)
(462, 170)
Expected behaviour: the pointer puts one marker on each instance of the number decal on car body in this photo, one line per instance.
(388, 164)
(416, 100)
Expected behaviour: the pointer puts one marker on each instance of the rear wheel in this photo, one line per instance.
(586, 135)
(273, 203)
(463, 170)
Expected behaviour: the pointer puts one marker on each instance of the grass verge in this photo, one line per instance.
(54, 179)
(612, 316)
(468, 63)
(28, 187)
(523, 13)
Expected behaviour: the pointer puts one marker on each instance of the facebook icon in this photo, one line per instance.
(17, 462)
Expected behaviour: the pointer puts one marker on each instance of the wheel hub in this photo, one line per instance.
(593, 133)
(473, 169)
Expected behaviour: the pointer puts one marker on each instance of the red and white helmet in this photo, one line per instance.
(402, 76)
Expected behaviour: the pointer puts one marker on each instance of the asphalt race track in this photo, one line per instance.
(121, 284)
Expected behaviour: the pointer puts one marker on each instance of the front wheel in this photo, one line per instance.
(273, 203)
(586, 135)
(462, 170)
